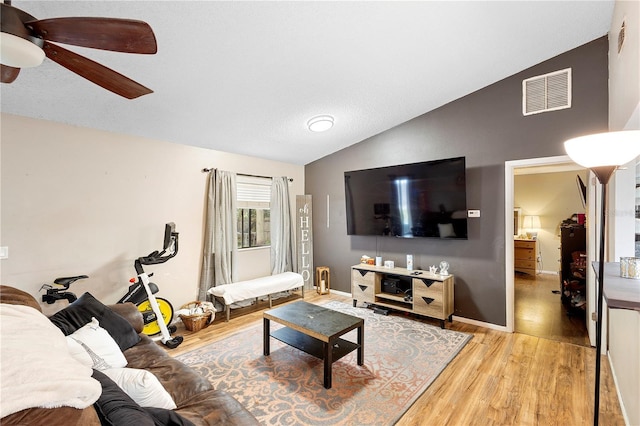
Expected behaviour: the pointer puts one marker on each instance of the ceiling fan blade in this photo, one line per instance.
(119, 35)
(9, 74)
(94, 72)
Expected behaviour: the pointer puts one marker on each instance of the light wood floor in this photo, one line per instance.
(540, 312)
(497, 379)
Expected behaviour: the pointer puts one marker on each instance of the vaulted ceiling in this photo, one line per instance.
(245, 77)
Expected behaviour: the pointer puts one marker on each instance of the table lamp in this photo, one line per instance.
(531, 224)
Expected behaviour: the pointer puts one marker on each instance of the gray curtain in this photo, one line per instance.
(282, 234)
(220, 249)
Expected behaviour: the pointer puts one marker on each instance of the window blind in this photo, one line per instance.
(253, 192)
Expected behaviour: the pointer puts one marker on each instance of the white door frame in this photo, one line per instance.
(509, 169)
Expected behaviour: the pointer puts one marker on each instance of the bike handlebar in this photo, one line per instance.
(156, 257)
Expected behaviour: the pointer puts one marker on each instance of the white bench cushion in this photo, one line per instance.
(243, 290)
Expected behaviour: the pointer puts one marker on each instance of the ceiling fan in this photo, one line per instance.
(25, 41)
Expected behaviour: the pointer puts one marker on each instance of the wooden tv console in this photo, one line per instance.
(431, 294)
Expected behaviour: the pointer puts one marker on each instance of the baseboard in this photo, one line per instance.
(548, 272)
(481, 323)
(461, 319)
(615, 382)
(341, 293)
(336, 292)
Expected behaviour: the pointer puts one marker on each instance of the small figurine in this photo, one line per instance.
(444, 268)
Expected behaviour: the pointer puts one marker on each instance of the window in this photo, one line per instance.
(254, 214)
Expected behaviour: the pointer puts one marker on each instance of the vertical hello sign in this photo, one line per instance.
(304, 239)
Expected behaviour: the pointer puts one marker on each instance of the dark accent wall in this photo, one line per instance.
(488, 128)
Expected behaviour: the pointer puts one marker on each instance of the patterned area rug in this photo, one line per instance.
(402, 358)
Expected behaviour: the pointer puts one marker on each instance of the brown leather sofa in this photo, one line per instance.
(196, 399)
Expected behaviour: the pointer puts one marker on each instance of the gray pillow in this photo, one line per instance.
(79, 313)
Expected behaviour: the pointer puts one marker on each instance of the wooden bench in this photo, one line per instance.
(255, 288)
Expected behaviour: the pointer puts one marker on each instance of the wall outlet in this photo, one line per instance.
(4, 252)
(474, 213)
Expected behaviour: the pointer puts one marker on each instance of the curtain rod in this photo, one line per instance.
(205, 170)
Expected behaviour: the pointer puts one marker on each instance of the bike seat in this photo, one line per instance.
(67, 281)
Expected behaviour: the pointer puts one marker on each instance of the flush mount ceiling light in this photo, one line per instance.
(320, 123)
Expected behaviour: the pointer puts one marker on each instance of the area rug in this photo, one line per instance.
(402, 358)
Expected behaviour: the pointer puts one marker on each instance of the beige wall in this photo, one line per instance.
(83, 201)
(624, 67)
(554, 197)
(624, 113)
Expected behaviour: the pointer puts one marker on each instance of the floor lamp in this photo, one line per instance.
(603, 153)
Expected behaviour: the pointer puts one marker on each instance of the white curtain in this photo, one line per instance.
(220, 249)
(282, 235)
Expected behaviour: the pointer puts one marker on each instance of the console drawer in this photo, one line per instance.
(362, 276)
(428, 306)
(427, 287)
(428, 297)
(363, 286)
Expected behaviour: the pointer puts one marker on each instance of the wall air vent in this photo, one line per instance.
(547, 92)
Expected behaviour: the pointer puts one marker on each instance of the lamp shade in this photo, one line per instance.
(531, 222)
(604, 149)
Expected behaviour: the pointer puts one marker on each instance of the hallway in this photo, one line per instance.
(539, 312)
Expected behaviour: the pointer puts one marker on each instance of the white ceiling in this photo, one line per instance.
(245, 77)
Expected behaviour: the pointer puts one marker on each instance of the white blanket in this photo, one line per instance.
(37, 369)
(257, 287)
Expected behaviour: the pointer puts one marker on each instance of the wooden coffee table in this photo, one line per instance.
(316, 331)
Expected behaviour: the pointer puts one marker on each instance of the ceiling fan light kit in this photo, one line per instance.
(320, 123)
(18, 52)
(18, 48)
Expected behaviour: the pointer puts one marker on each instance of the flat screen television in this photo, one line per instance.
(427, 199)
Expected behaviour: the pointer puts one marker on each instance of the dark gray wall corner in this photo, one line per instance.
(488, 128)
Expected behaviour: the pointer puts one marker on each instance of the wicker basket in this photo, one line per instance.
(199, 317)
(196, 322)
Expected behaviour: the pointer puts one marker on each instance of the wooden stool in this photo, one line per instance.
(323, 280)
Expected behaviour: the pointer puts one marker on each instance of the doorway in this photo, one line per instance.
(534, 304)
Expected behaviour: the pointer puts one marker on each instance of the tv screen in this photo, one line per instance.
(426, 199)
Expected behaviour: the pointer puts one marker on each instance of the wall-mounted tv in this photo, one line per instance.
(426, 199)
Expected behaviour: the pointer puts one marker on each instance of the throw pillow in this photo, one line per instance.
(79, 352)
(82, 310)
(142, 386)
(104, 351)
(115, 407)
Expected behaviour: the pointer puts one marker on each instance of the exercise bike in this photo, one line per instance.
(157, 313)
(54, 294)
(140, 293)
